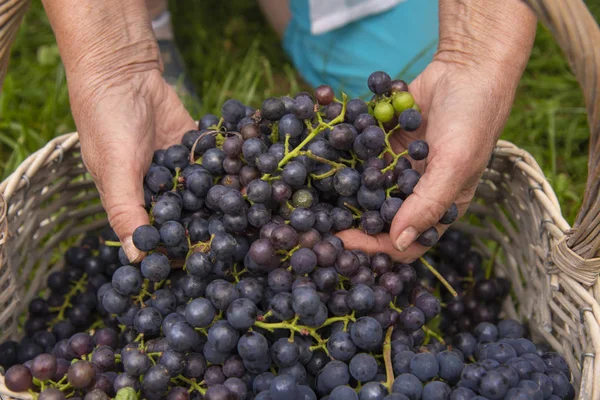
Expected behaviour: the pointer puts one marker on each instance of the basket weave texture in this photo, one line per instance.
(553, 268)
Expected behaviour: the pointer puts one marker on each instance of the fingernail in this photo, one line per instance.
(406, 238)
(132, 253)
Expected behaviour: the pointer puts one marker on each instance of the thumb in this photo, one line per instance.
(433, 195)
(122, 194)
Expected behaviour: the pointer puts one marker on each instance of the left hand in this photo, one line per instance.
(464, 111)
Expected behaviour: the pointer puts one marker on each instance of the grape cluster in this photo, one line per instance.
(490, 362)
(245, 291)
(71, 304)
(480, 294)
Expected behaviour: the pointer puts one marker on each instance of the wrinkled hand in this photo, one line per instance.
(121, 121)
(464, 112)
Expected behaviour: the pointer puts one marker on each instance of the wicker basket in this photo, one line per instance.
(50, 199)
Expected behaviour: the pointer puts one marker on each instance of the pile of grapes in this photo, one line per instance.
(247, 293)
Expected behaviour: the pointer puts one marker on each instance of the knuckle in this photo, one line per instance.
(431, 208)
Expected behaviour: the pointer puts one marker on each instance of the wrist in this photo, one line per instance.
(491, 36)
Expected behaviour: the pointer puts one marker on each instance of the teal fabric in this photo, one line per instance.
(401, 42)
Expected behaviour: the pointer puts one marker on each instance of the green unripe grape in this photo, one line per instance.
(416, 107)
(126, 393)
(402, 101)
(384, 112)
(302, 198)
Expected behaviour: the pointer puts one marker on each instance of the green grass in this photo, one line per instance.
(230, 53)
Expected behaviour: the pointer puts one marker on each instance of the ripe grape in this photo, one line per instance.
(410, 119)
(146, 238)
(81, 374)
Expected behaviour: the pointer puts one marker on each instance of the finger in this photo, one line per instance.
(433, 195)
(122, 195)
(355, 239)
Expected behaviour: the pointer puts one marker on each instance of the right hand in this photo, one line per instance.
(121, 121)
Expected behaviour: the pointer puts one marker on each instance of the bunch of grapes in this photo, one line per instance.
(246, 292)
(478, 294)
(71, 305)
(490, 362)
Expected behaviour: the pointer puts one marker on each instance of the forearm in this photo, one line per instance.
(491, 34)
(103, 37)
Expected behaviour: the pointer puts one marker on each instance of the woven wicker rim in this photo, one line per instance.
(567, 312)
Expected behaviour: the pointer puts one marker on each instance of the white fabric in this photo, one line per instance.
(162, 20)
(327, 15)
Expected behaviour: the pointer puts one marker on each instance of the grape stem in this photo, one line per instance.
(387, 357)
(275, 133)
(79, 287)
(176, 179)
(192, 383)
(287, 145)
(395, 161)
(112, 243)
(288, 254)
(143, 293)
(309, 154)
(354, 210)
(313, 133)
(98, 324)
(490, 267)
(388, 192)
(439, 277)
(430, 332)
(292, 325)
(395, 307)
(236, 274)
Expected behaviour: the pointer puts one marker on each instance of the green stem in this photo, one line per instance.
(439, 277)
(309, 154)
(395, 307)
(301, 329)
(143, 293)
(387, 357)
(395, 161)
(313, 133)
(176, 179)
(388, 192)
(430, 332)
(79, 287)
(355, 210)
(490, 267)
(192, 383)
(275, 133)
(287, 144)
(324, 175)
(112, 243)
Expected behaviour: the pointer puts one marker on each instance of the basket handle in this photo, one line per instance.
(11, 14)
(576, 31)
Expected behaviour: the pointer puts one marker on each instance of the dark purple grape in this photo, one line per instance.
(272, 109)
(379, 82)
(342, 136)
(410, 119)
(146, 238)
(363, 121)
(305, 107)
(81, 374)
(372, 222)
(346, 181)
(429, 237)
(294, 174)
(233, 111)
(18, 378)
(407, 181)
(159, 179)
